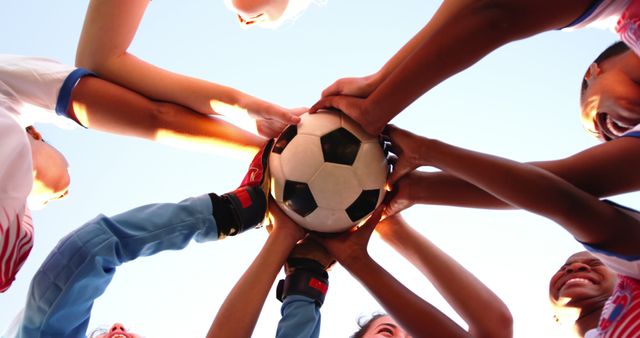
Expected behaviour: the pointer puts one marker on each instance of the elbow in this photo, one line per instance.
(501, 326)
(94, 60)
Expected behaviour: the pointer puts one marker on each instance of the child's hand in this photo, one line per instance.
(353, 86)
(271, 118)
(350, 246)
(273, 128)
(392, 228)
(355, 107)
(283, 224)
(401, 194)
(405, 145)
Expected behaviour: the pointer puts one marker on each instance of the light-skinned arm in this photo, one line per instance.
(459, 34)
(247, 297)
(104, 106)
(537, 190)
(109, 29)
(486, 315)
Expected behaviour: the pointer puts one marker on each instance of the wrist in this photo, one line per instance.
(305, 277)
(425, 154)
(353, 260)
(288, 235)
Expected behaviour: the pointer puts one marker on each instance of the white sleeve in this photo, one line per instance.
(34, 80)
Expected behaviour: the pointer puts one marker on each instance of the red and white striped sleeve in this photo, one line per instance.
(16, 180)
(16, 232)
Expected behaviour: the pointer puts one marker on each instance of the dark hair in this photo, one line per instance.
(615, 49)
(365, 324)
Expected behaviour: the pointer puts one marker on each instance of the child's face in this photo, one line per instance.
(611, 103)
(385, 327)
(251, 12)
(583, 280)
(117, 331)
(50, 172)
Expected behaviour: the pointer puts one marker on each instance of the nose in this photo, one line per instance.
(117, 327)
(577, 267)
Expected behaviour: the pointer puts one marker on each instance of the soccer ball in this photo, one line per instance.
(327, 173)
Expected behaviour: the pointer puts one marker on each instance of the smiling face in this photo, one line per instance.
(385, 327)
(610, 103)
(582, 282)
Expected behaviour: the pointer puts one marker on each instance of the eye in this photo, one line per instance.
(385, 331)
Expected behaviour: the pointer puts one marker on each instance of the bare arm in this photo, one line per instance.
(414, 314)
(460, 33)
(104, 106)
(481, 309)
(540, 191)
(109, 29)
(239, 313)
(603, 170)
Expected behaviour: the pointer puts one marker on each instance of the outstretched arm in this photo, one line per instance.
(109, 29)
(414, 314)
(539, 191)
(481, 309)
(459, 34)
(104, 106)
(82, 264)
(603, 170)
(248, 295)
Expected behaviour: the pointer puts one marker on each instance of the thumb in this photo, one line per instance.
(333, 89)
(400, 169)
(373, 220)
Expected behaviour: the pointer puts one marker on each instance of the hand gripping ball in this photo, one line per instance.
(327, 173)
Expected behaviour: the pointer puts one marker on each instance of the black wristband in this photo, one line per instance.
(306, 280)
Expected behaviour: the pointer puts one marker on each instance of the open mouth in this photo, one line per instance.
(611, 128)
(576, 282)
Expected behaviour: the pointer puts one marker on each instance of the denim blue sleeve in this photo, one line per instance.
(81, 266)
(300, 318)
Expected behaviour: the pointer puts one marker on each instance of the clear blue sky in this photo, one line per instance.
(520, 102)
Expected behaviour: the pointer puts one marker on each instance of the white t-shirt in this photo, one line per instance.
(32, 90)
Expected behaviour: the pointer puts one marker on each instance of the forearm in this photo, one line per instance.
(481, 309)
(458, 35)
(101, 105)
(440, 188)
(239, 313)
(109, 28)
(536, 190)
(589, 170)
(414, 314)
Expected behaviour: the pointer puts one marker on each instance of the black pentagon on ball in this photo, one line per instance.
(363, 205)
(297, 197)
(285, 138)
(340, 146)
